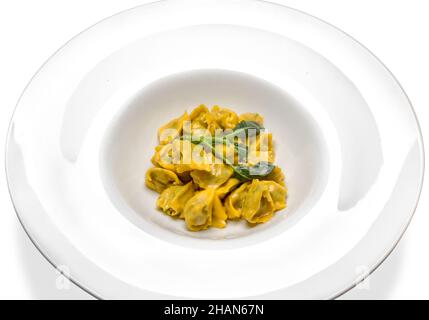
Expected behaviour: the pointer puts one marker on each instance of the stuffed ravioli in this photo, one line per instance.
(212, 166)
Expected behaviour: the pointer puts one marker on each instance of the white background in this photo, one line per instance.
(30, 31)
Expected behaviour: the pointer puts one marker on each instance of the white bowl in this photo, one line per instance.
(131, 140)
(84, 131)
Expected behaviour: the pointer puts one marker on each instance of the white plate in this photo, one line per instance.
(84, 131)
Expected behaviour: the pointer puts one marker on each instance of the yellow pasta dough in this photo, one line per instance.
(214, 178)
(198, 211)
(172, 129)
(173, 199)
(200, 174)
(159, 179)
(225, 118)
(234, 202)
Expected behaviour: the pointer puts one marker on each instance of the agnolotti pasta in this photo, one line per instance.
(173, 199)
(214, 165)
(159, 179)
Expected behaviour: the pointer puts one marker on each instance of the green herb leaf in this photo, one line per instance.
(193, 139)
(242, 172)
(243, 128)
(246, 125)
(259, 170)
(242, 151)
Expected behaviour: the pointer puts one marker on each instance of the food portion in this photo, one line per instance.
(214, 165)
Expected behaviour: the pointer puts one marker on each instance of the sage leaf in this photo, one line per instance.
(259, 170)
